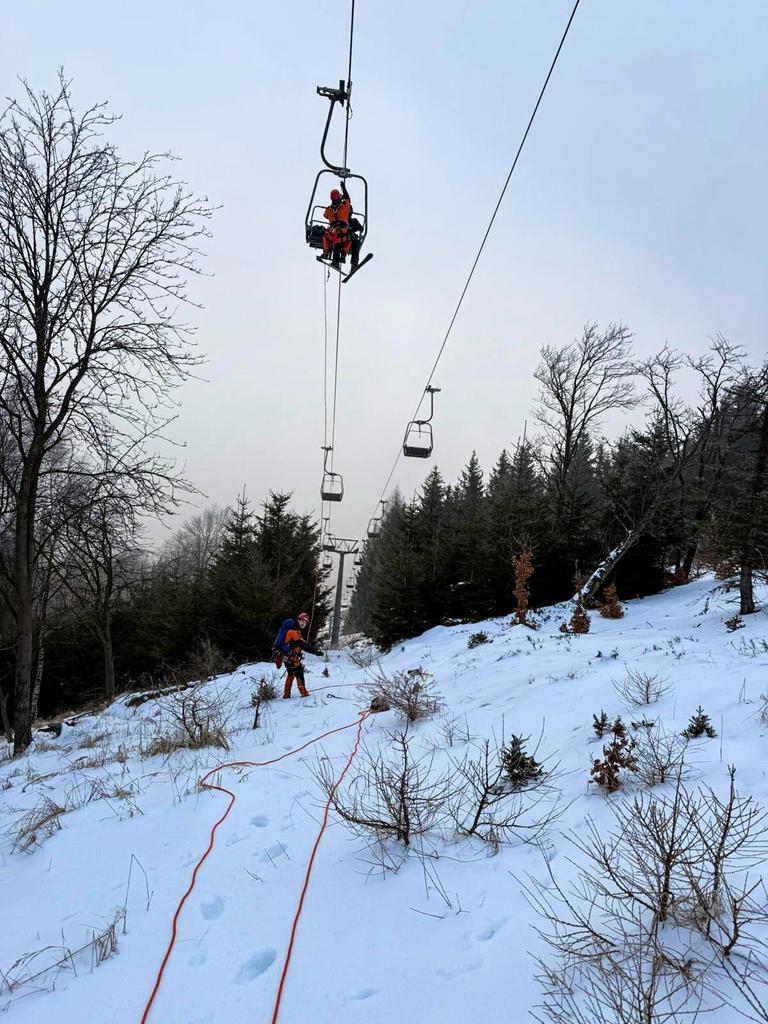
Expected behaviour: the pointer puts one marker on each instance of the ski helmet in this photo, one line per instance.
(335, 195)
(302, 617)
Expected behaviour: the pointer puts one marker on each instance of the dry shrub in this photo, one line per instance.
(640, 688)
(206, 662)
(610, 607)
(485, 803)
(659, 758)
(389, 795)
(265, 692)
(363, 655)
(94, 739)
(454, 731)
(40, 969)
(197, 717)
(664, 913)
(523, 572)
(37, 825)
(411, 694)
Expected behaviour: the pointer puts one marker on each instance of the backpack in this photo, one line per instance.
(280, 644)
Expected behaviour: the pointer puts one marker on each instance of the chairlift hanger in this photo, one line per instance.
(418, 441)
(315, 225)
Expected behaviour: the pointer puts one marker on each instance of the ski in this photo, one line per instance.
(359, 266)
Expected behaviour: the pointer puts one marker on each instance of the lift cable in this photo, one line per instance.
(338, 298)
(349, 81)
(323, 525)
(484, 240)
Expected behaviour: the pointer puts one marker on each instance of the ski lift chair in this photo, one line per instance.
(417, 443)
(315, 224)
(332, 487)
(418, 440)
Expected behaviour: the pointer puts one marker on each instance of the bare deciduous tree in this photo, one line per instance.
(580, 384)
(94, 254)
(100, 558)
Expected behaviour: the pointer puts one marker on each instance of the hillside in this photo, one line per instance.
(92, 824)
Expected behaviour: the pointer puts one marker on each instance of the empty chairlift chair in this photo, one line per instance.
(418, 440)
(332, 487)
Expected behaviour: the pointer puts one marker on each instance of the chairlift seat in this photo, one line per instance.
(417, 443)
(332, 487)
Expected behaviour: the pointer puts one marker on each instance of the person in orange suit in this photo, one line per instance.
(337, 241)
(294, 658)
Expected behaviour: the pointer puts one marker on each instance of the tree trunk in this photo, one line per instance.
(109, 660)
(601, 573)
(4, 719)
(24, 561)
(690, 554)
(748, 548)
(35, 703)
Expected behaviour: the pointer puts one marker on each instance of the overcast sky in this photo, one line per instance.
(641, 196)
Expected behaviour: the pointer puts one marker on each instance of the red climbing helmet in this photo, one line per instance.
(335, 195)
(302, 617)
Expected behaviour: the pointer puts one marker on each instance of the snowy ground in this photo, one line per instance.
(444, 939)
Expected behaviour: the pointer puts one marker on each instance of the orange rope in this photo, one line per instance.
(204, 784)
(297, 915)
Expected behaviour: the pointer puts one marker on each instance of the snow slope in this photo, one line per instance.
(443, 939)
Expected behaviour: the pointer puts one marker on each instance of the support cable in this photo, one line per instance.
(484, 240)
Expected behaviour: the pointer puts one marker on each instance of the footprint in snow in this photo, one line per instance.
(272, 853)
(197, 959)
(365, 993)
(212, 909)
(493, 929)
(260, 820)
(255, 965)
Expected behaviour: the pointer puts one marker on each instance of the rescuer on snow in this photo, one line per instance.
(289, 650)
